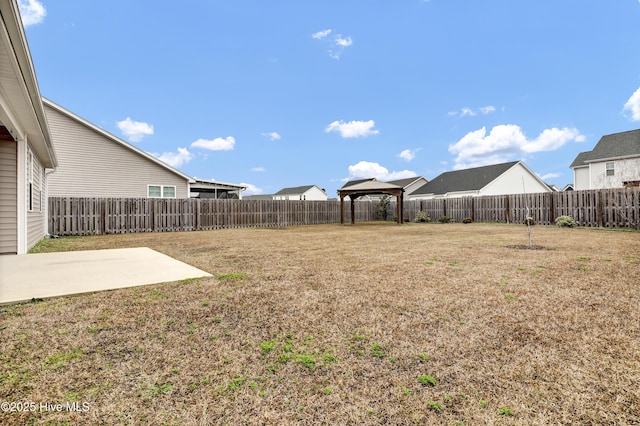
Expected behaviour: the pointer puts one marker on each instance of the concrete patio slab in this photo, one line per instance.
(43, 275)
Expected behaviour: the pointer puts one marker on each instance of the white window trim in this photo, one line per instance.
(151, 196)
(607, 168)
(162, 189)
(169, 186)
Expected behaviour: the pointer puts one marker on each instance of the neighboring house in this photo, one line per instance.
(94, 163)
(308, 192)
(27, 154)
(410, 184)
(212, 189)
(613, 163)
(568, 187)
(498, 179)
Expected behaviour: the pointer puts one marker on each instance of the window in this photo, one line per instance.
(159, 191)
(154, 191)
(609, 167)
(168, 192)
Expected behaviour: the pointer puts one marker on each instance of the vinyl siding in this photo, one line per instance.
(624, 170)
(35, 218)
(8, 198)
(92, 165)
(516, 180)
(581, 178)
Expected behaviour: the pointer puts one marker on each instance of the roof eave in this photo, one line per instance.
(36, 126)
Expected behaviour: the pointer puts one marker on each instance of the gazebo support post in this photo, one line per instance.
(353, 212)
(341, 210)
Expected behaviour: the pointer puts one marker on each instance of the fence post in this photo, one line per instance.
(507, 208)
(599, 209)
(473, 209)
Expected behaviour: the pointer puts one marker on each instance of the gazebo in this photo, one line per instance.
(370, 187)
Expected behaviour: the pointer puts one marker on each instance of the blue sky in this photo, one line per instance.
(287, 93)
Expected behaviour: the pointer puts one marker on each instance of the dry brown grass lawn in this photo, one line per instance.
(340, 325)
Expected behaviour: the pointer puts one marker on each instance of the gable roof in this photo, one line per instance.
(616, 145)
(113, 138)
(464, 180)
(404, 182)
(295, 190)
(581, 160)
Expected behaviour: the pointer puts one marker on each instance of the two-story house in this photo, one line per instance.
(613, 163)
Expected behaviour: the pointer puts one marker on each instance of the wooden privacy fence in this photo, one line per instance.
(604, 207)
(86, 216)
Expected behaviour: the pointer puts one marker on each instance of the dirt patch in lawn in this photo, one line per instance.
(376, 324)
(528, 247)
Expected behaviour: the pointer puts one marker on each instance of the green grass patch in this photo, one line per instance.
(232, 277)
(427, 380)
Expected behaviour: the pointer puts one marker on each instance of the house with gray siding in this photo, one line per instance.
(613, 163)
(27, 155)
(94, 163)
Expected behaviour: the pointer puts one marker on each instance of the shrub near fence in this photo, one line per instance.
(87, 216)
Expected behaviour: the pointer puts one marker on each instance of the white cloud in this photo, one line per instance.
(176, 159)
(335, 45)
(217, 144)
(466, 111)
(273, 136)
(408, 154)
(135, 131)
(552, 175)
(507, 142)
(32, 12)
(343, 41)
(353, 129)
(487, 109)
(258, 169)
(321, 34)
(366, 169)
(633, 105)
(251, 189)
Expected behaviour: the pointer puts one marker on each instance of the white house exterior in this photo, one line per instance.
(26, 150)
(308, 192)
(613, 163)
(498, 179)
(94, 163)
